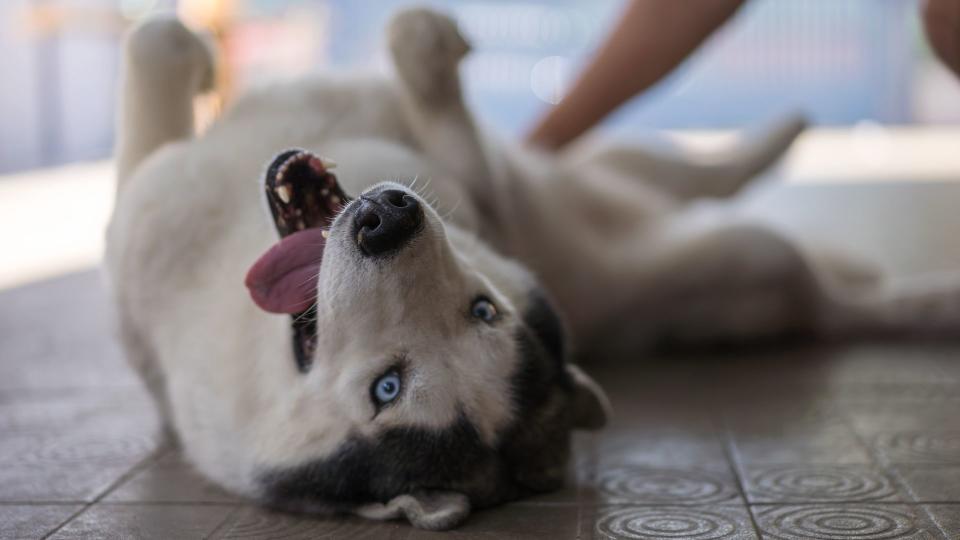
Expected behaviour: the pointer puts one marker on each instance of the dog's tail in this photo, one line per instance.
(165, 67)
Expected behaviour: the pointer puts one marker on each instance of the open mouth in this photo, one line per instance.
(304, 198)
(302, 192)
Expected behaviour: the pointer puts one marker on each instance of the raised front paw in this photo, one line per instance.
(426, 48)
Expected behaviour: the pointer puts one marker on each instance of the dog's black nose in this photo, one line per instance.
(386, 221)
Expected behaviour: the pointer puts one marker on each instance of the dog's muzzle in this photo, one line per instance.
(386, 221)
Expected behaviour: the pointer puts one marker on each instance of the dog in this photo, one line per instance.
(404, 346)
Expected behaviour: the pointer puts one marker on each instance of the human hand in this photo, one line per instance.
(941, 21)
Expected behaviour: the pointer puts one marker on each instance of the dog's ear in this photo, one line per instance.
(431, 510)
(590, 405)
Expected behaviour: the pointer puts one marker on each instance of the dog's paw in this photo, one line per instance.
(426, 48)
(164, 45)
(433, 511)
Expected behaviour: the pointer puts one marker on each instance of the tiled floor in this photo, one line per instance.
(798, 442)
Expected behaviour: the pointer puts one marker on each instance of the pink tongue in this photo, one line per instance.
(284, 279)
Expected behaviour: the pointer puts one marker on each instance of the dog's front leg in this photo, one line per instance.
(427, 49)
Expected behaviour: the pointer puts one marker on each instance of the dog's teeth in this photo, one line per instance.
(284, 193)
(328, 163)
(325, 233)
(360, 238)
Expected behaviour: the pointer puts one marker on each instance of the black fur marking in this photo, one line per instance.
(398, 461)
(531, 456)
(545, 323)
(537, 446)
(303, 330)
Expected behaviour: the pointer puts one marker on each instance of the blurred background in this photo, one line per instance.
(844, 62)
(860, 69)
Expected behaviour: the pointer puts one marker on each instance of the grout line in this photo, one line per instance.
(736, 467)
(589, 481)
(42, 503)
(852, 502)
(137, 467)
(170, 503)
(223, 524)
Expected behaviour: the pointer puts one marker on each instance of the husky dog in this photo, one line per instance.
(400, 352)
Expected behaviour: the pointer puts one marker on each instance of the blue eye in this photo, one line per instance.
(386, 388)
(483, 309)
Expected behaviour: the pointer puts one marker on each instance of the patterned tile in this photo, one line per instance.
(844, 522)
(74, 422)
(819, 483)
(677, 447)
(145, 522)
(947, 518)
(931, 483)
(253, 522)
(58, 482)
(32, 521)
(669, 522)
(506, 522)
(835, 445)
(642, 484)
(891, 416)
(170, 479)
(918, 446)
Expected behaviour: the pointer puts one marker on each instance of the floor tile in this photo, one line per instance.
(505, 522)
(824, 446)
(947, 518)
(927, 483)
(74, 446)
(829, 441)
(642, 484)
(841, 521)
(40, 410)
(917, 446)
(890, 416)
(254, 523)
(170, 479)
(515, 522)
(58, 482)
(819, 483)
(677, 447)
(668, 522)
(161, 522)
(32, 521)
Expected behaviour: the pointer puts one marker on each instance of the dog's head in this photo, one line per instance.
(435, 375)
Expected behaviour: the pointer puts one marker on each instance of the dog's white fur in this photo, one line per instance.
(605, 229)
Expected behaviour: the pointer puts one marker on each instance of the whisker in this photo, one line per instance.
(453, 209)
(303, 315)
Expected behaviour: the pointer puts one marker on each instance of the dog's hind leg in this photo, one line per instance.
(716, 176)
(742, 282)
(427, 49)
(736, 282)
(927, 306)
(165, 67)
